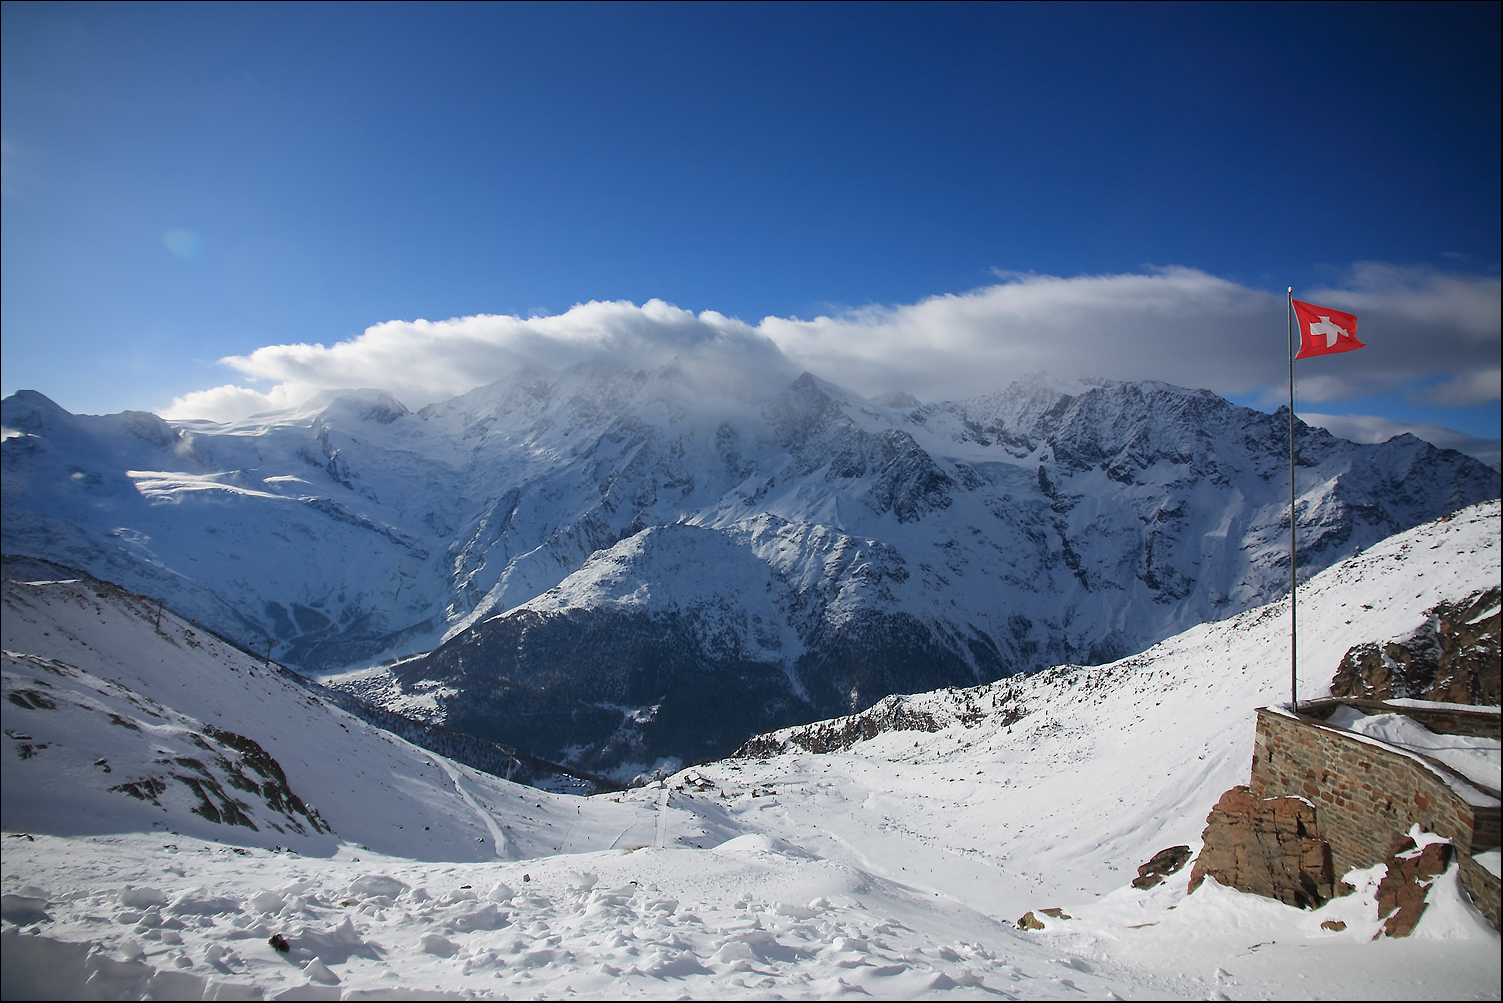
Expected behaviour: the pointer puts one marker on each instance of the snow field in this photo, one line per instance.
(733, 922)
(895, 868)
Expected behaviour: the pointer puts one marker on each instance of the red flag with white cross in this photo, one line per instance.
(1323, 331)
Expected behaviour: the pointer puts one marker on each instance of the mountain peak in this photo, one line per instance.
(795, 554)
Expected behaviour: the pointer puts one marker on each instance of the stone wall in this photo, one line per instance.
(1484, 888)
(1366, 796)
(1441, 720)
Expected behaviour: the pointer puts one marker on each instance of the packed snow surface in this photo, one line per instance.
(896, 868)
(1478, 759)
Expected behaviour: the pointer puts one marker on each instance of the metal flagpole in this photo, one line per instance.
(1293, 558)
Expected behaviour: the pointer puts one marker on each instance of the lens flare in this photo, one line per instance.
(183, 243)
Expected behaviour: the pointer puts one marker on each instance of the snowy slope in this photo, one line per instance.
(115, 726)
(894, 868)
(1088, 771)
(794, 548)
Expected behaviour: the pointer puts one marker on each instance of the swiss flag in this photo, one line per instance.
(1323, 331)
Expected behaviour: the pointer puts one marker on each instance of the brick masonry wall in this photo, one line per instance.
(1442, 721)
(1483, 888)
(1365, 796)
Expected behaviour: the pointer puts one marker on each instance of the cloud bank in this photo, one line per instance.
(1432, 336)
(1372, 428)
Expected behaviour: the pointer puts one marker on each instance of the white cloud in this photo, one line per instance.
(422, 361)
(1476, 387)
(1178, 325)
(1432, 335)
(1428, 333)
(229, 402)
(1374, 428)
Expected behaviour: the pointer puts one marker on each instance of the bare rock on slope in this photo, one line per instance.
(1269, 847)
(1161, 865)
(1411, 871)
(1453, 658)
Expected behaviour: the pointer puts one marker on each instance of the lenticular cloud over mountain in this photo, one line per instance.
(1435, 334)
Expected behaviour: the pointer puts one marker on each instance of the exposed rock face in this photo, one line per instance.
(1453, 658)
(1000, 702)
(1269, 847)
(1163, 864)
(1401, 893)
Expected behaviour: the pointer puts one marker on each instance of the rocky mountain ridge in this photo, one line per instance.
(610, 567)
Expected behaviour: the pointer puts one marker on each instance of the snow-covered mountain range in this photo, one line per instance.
(611, 567)
(157, 780)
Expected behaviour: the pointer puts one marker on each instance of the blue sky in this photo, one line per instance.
(915, 195)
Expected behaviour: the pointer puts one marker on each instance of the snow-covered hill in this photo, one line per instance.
(895, 867)
(633, 567)
(115, 724)
(1085, 770)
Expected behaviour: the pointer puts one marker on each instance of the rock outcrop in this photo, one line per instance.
(1269, 847)
(1452, 658)
(1162, 864)
(1411, 871)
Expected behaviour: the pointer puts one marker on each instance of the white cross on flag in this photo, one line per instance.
(1323, 331)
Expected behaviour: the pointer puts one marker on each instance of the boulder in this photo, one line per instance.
(1163, 864)
(1269, 847)
(1411, 871)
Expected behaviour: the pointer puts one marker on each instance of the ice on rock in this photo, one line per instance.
(267, 902)
(733, 951)
(485, 917)
(758, 945)
(310, 991)
(620, 895)
(672, 965)
(752, 842)
(334, 946)
(797, 911)
(582, 882)
(23, 910)
(202, 902)
(535, 958)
